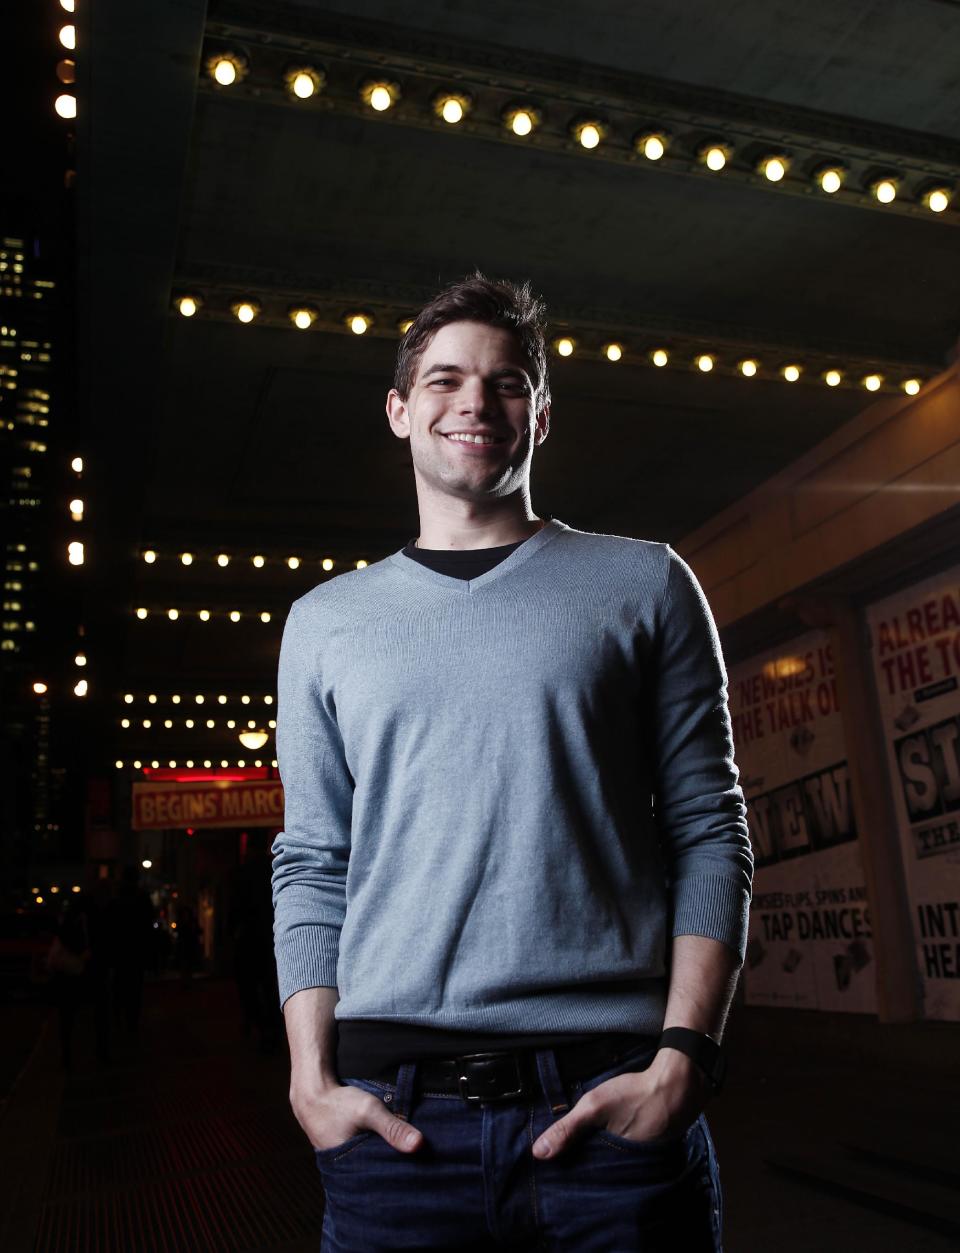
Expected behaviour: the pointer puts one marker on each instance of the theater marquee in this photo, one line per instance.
(212, 803)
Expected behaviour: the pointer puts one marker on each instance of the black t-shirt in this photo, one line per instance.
(370, 1049)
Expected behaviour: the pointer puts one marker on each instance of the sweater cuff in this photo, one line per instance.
(712, 906)
(307, 958)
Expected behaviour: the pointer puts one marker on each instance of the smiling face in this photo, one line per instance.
(471, 414)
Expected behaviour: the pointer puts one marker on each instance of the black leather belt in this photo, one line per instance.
(510, 1075)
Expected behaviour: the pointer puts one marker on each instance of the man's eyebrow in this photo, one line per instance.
(443, 369)
(503, 372)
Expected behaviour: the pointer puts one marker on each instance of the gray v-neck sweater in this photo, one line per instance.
(504, 794)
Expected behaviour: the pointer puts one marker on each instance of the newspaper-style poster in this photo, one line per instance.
(810, 944)
(915, 635)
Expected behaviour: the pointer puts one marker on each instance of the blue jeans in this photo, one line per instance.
(474, 1185)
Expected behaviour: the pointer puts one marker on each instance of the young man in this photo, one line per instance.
(512, 890)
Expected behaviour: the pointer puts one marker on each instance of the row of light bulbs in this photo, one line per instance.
(199, 698)
(303, 317)
(521, 119)
(258, 560)
(191, 764)
(749, 367)
(205, 615)
(190, 724)
(65, 105)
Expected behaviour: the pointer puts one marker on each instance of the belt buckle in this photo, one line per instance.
(474, 1098)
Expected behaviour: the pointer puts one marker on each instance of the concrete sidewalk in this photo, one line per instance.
(833, 1133)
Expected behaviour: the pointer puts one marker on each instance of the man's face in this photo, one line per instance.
(471, 380)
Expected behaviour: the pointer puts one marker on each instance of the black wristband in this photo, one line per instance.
(702, 1049)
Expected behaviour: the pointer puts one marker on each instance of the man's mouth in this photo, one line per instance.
(467, 437)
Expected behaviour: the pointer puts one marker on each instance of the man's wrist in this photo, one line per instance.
(701, 1051)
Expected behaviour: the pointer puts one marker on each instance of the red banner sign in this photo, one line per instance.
(212, 803)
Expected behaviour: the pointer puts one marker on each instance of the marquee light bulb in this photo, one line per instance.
(830, 179)
(380, 96)
(75, 552)
(149, 556)
(833, 378)
(791, 373)
(188, 306)
(66, 106)
(359, 323)
(293, 563)
(452, 109)
(361, 565)
(80, 659)
(652, 146)
(204, 615)
(327, 563)
(911, 386)
(68, 5)
(152, 698)
(76, 465)
(76, 510)
(612, 352)
(225, 69)
(872, 382)
(714, 157)
(885, 190)
(303, 83)
(223, 559)
(521, 123)
(705, 363)
(588, 134)
(128, 698)
(141, 613)
(748, 368)
(40, 687)
(937, 199)
(186, 559)
(80, 688)
(245, 310)
(173, 614)
(404, 325)
(659, 357)
(265, 616)
(303, 318)
(773, 168)
(259, 561)
(234, 615)
(565, 347)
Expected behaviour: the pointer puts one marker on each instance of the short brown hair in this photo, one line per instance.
(476, 298)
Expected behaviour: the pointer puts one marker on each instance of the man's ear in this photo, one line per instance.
(397, 414)
(543, 425)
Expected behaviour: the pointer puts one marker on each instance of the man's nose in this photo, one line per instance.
(475, 396)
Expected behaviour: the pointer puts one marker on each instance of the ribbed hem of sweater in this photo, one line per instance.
(310, 952)
(712, 906)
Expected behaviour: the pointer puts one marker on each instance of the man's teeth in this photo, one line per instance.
(474, 439)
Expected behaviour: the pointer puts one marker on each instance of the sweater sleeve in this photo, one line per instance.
(312, 851)
(697, 800)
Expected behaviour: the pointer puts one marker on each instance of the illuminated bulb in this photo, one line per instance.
(125, 723)
(451, 110)
(188, 723)
(80, 659)
(167, 723)
(259, 561)
(207, 764)
(359, 323)
(187, 559)
(404, 325)
(613, 352)
(187, 306)
(245, 310)
(361, 565)
(937, 199)
(224, 764)
(155, 765)
(189, 765)
(76, 510)
(76, 465)
(67, 5)
(210, 724)
(833, 378)
(149, 556)
(199, 698)
(714, 158)
(173, 614)
(141, 613)
(221, 699)
(137, 765)
(885, 190)
(830, 180)
(38, 899)
(172, 765)
(147, 864)
(128, 698)
(705, 363)
(39, 687)
(68, 37)
(911, 386)
(589, 135)
(75, 553)
(652, 146)
(659, 357)
(303, 319)
(381, 98)
(327, 563)
(748, 368)
(872, 382)
(264, 617)
(175, 699)
(273, 726)
(234, 615)
(565, 347)
(230, 723)
(244, 700)
(152, 699)
(118, 764)
(241, 763)
(223, 559)
(66, 106)
(791, 373)
(268, 700)
(304, 84)
(204, 615)
(293, 563)
(225, 71)
(521, 123)
(773, 169)
(80, 688)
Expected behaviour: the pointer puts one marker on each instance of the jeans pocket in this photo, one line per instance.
(326, 1157)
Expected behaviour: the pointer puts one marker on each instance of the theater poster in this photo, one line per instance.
(810, 943)
(915, 636)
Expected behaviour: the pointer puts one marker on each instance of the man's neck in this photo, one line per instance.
(534, 525)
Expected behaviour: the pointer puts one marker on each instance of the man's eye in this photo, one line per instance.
(444, 380)
(519, 388)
